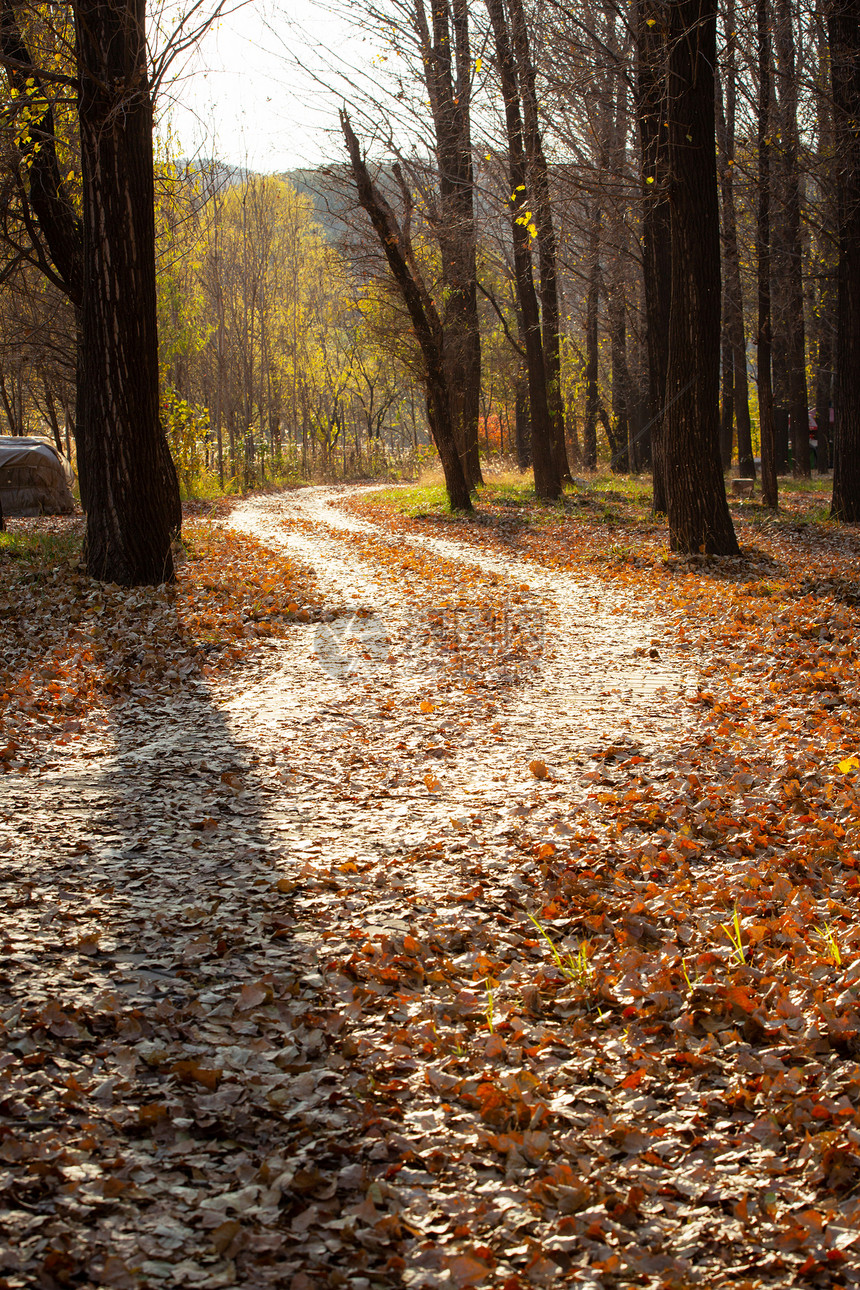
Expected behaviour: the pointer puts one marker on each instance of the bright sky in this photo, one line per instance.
(251, 96)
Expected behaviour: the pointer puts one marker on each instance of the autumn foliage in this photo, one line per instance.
(455, 963)
(70, 645)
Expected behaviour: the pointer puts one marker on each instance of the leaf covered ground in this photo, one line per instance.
(496, 926)
(70, 645)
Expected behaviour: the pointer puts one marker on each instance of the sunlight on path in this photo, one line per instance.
(343, 707)
(193, 872)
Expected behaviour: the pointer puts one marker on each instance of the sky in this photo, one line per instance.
(251, 94)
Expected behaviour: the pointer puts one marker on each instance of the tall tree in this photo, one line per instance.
(133, 492)
(47, 219)
(825, 244)
(543, 217)
(446, 53)
(791, 258)
(592, 350)
(699, 519)
(733, 291)
(616, 302)
(844, 39)
(425, 319)
(132, 489)
(770, 495)
(547, 477)
(651, 89)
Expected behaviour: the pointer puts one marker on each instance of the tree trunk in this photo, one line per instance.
(652, 33)
(425, 321)
(592, 303)
(699, 519)
(549, 295)
(448, 71)
(844, 36)
(620, 462)
(522, 429)
(733, 291)
(792, 260)
(824, 381)
(547, 478)
(134, 508)
(779, 307)
(826, 302)
(727, 394)
(769, 488)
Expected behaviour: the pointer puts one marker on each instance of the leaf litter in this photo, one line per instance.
(453, 939)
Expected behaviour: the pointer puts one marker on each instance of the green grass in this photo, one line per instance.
(628, 488)
(609, 493)
(822, 484)
(512, 490)
(417, 501)
(40, 551)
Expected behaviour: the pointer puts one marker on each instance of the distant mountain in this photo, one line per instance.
(332, 196)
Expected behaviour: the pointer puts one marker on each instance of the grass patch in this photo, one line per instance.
(41, 551)
(822, 484)
(629, 488)
(417, 501)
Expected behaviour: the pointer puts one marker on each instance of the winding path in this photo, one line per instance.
(583, 677)
(184, 888)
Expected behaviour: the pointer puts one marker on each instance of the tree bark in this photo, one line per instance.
(732, 290)
(620, 462)
(769, 487)
(522, 429)
(844, 37)
(425, 321)
(652, 33)
(547, 259)
(592, 303)
(826, 302)
(699, 519)
(448, 68)
(792, 258)
(727, 394)
(547, 478)
(134, 508)
(824, 380)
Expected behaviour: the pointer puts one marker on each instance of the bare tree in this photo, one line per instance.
(699, 519)
(844, 37)
(426, 323)
(733, 288)
(651, 91)
(538, 173)
(770, 495)
(547, 477)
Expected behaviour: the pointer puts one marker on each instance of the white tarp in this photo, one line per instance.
(34, 478)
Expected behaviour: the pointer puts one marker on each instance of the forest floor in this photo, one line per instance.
(410, 900)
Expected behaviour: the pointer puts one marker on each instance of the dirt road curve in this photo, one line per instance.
(189, 886)
(575, 671)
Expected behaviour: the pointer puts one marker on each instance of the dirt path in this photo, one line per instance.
(199, 1087)
(567, 671)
